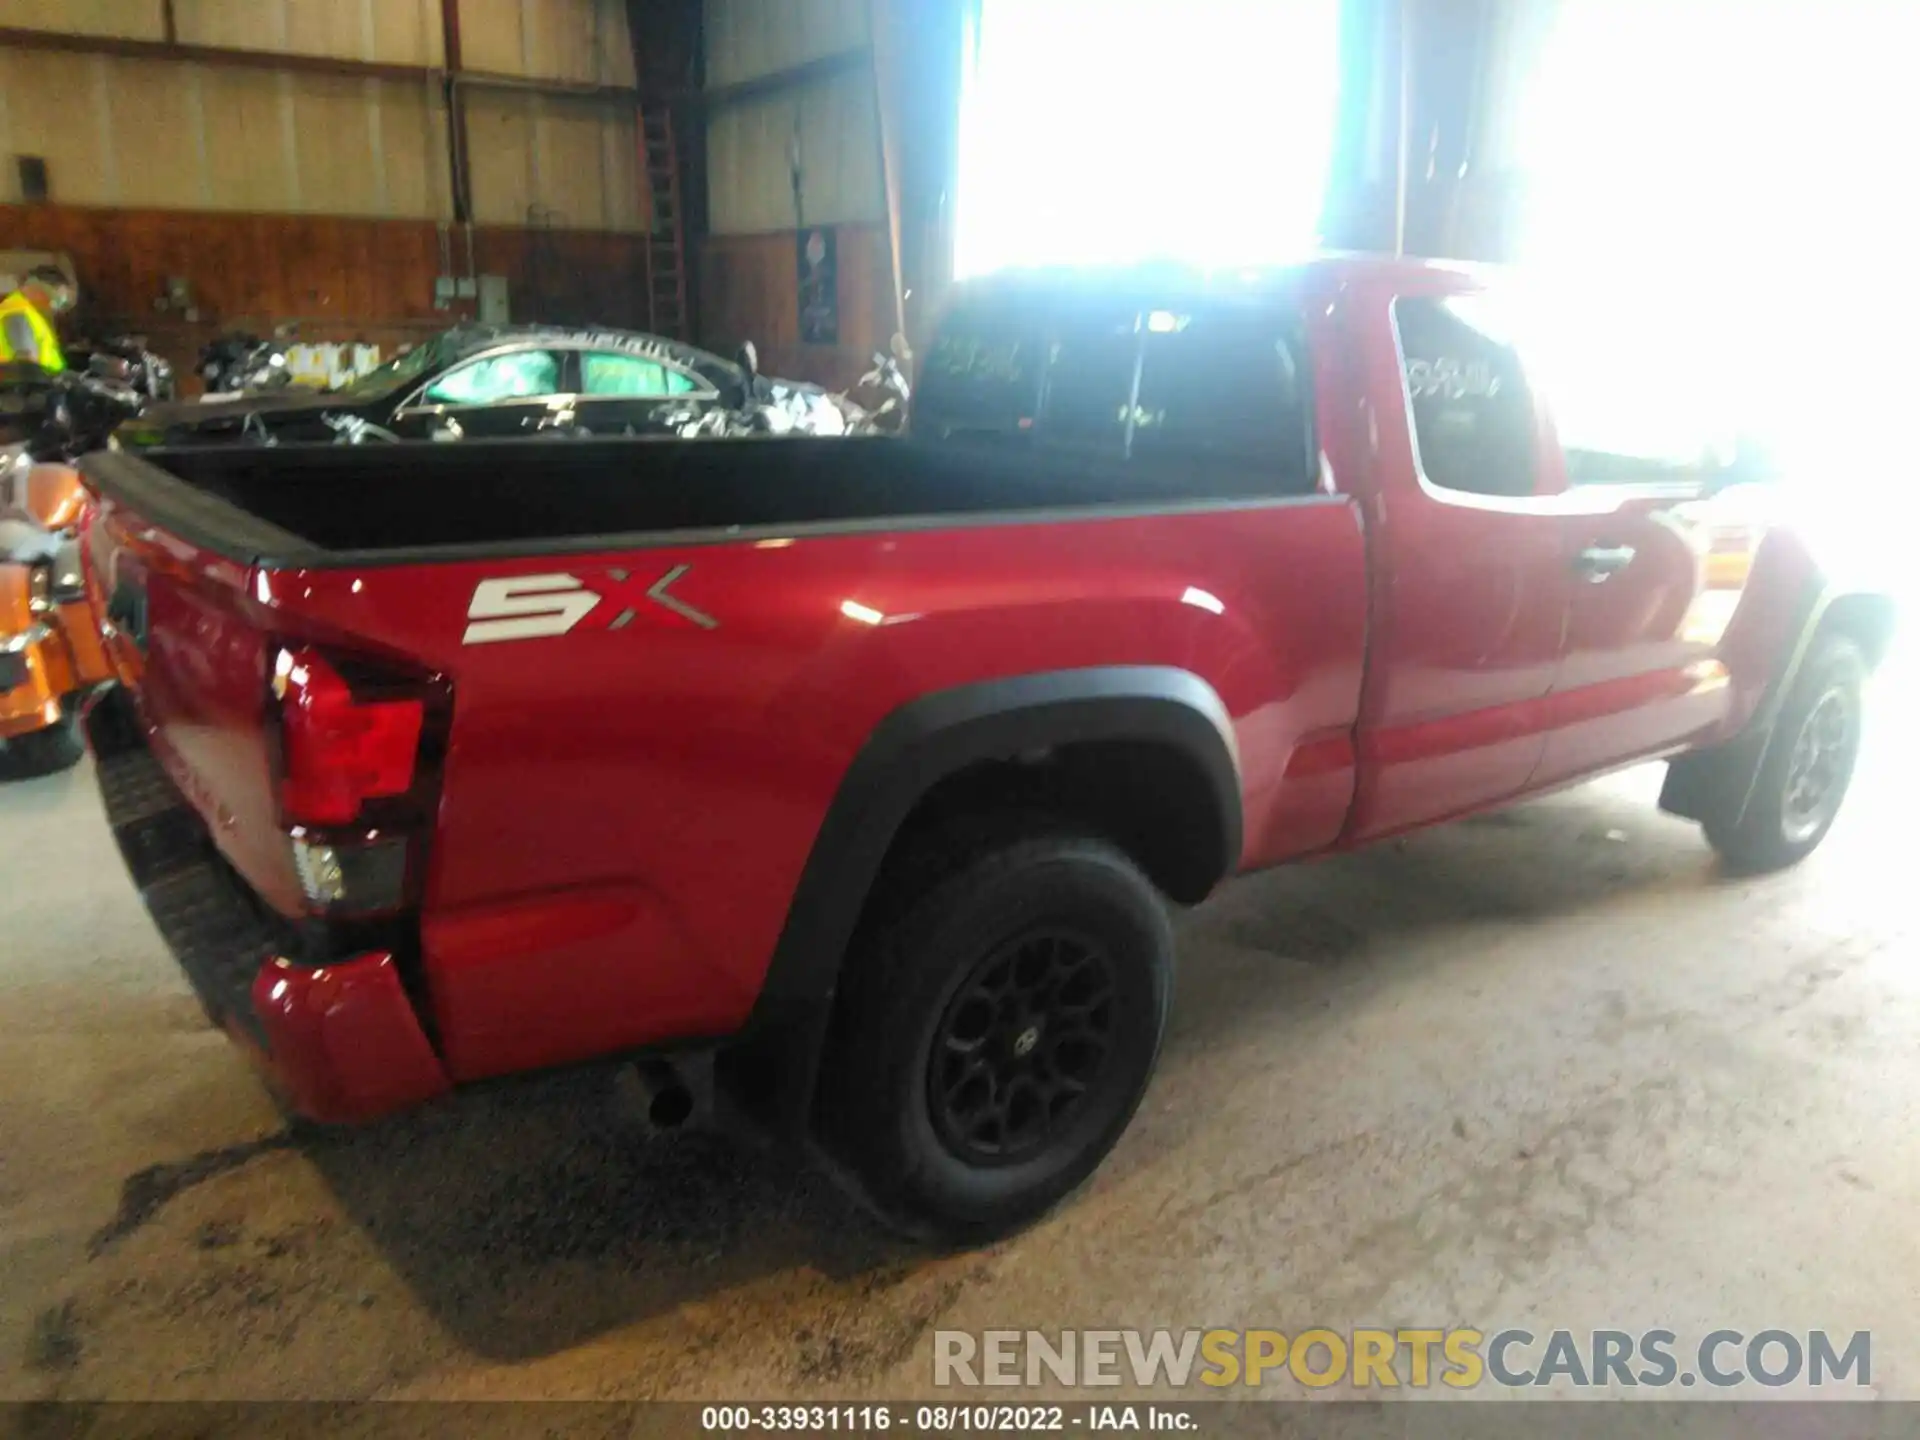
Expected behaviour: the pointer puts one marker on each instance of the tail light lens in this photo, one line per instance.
(356, 749)
(339, 751)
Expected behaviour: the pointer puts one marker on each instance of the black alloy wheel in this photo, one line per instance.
(1022, 1045)
(997, 1024)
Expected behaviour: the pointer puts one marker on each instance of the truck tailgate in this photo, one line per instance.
(191, 649)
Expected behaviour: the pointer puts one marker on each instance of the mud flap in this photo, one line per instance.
(1717, 781)
(765, 1083)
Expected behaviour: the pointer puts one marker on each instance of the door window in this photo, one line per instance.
(1630, 406)
(516, 375)
(605, 373)
(1473, 420)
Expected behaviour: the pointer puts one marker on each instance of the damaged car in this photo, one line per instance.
(498, 382)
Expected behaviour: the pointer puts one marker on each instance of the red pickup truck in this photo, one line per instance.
(868, 768)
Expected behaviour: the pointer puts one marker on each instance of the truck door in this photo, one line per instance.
(1659, 569)
(1470, 580)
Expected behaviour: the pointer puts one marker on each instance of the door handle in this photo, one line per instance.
(1601, 562)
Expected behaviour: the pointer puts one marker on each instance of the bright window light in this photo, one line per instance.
(1117, 131)
(1714, 230)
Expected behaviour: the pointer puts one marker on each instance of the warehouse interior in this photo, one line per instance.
(1549, 1067)
(340, 169)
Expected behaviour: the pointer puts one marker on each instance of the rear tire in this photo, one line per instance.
(997, 1027)
(1805, 771)
(58, 747)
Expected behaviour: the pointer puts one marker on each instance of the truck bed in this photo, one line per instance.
(622, 795)
(323, 505)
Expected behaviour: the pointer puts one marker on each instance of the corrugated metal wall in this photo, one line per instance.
(789, 80)
(401, 31)
(746, 39)
(750, 142)
(550, 160)
(127, 132)
(128, 19)
(120, 132)
(582, 40)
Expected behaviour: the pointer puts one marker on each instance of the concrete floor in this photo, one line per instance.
(1542, 1069)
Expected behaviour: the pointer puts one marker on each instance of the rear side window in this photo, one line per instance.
(981, 376)
(1217, 394)
(1223, 387)
(1473, 421)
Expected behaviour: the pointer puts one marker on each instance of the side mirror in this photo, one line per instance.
(750, 359)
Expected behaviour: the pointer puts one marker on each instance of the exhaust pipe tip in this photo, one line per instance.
(671, 1107)
(666, 1099)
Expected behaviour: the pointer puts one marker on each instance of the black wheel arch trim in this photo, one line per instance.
(1818, 606)
(1694, 778)
(770, 1071)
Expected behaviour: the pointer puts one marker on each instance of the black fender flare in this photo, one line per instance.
(1699, 780)
(769, 1073)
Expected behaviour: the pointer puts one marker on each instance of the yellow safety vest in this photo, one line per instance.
(46, 338)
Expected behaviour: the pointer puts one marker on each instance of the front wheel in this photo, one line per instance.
(1806, 770)
(996, 1035)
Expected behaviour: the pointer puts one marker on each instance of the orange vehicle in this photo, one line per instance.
(50, 651)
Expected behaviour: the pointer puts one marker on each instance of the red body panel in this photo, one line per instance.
(201, 682)
(1496, 667)
(626, 811)
(343, 1041)
(1468, 596)
(626, 808)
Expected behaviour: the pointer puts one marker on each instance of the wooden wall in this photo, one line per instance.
(749, 289)
(338, 279)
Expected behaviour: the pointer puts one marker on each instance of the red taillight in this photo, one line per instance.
(337, 751)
